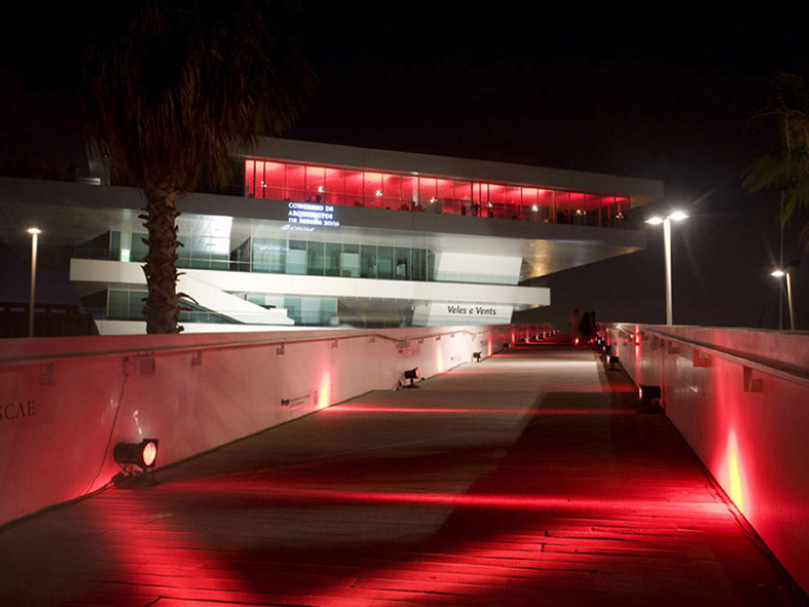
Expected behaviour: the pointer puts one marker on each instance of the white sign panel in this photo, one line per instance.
(437, 314)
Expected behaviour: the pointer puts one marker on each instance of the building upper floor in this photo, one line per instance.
(330, 175)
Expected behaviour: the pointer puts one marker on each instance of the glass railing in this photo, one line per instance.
(298, 269)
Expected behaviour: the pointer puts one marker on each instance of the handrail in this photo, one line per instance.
(240, 343)
(800, 378)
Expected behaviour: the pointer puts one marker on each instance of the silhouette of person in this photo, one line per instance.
(575, 324)
(586, 328)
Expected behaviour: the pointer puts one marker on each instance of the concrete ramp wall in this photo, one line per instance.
(66, 402)
(741, 399)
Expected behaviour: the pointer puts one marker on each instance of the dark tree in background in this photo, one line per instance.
(168, 87)
(786, 167)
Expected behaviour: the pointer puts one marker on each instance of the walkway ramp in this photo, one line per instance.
(528, 479)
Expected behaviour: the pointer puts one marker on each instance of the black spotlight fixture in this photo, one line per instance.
(649, 392)
(651, 399)
(612, 360)
(412, 375)
(476, 356)
(142, 455)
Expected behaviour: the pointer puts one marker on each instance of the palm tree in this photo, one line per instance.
(168, 86)
(787, 166)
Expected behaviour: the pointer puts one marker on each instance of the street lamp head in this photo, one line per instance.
(778, 273)
(655, 220)
(34, 230)
(678, 216)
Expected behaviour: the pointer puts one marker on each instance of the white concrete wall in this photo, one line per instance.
(480, 268)
(119, 273)
(741, 400)
(66, 402)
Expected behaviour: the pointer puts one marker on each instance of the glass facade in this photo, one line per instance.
(281, 256)
(126, 304)
(275, 180)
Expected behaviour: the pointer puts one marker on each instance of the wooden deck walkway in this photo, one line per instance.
(527, 479)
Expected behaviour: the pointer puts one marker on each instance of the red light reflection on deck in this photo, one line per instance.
(164, 556)
(522, 502)
(540, 412)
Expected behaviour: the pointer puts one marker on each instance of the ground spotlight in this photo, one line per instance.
(612, 360)
(649, 392)
(476, 356)
(142, 454)
(651, 398)
(412, 375)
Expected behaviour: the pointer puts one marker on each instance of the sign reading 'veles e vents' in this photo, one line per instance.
(312, 213)
(441, 313)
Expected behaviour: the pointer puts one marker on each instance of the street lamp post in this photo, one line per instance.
(666, 221)
(34, 232)
(785, 274)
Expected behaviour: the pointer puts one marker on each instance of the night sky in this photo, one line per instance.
(663, 92)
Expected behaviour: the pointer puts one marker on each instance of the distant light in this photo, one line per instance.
(379, 192)
(534, 208)
(320, 188)
(33, 230)
(675, 216)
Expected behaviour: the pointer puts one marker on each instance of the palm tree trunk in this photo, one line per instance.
(161, 308)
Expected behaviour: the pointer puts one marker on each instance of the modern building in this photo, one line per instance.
(326, 235)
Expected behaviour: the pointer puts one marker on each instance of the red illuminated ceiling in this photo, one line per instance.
(275, 180)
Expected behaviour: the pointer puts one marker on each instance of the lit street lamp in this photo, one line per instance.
(34, 232)
(785, 274)
(666, 221)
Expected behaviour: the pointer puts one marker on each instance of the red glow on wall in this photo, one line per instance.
(439, 358)
(324, 391)
(733, 474)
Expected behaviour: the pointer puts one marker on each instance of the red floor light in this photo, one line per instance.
(143, 454)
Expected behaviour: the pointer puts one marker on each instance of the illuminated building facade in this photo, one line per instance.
(327, 235)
